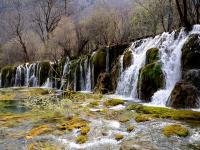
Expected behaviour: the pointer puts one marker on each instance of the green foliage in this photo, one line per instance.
(142, 118)
(119, 137)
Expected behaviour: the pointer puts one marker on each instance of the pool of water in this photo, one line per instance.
(12, 106)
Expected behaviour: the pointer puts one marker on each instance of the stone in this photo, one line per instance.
(184, 95)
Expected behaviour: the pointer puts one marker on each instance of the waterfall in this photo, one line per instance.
(170, 55)
(88, 78)
(65, 71)
(82, 83)
(18, 76)
(127, 84)
(107, 60)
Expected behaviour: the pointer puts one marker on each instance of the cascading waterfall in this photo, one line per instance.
(88, 79)
(170, 56)
(127, 84)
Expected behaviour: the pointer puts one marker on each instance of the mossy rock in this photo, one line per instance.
(175, 129)
(81, 139)
(8, 76)
(130, 128)
(94, 104)
(191, 53)
(119, 137)
(44, 72)
(142, 118)
(37, 131)
(184, 95)
(113, 102)
(152, 55)
(159, 112)
(85, 130)
(127, 59)
(151, 79)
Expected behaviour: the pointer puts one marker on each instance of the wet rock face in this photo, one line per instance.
(8, 76)
(193, 76)
(191, 53)
(103, 85)
(152, 55)
(115, 73)
(184, 95)
(150, 80)
(127, 60)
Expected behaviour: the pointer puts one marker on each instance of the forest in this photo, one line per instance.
(32, 30)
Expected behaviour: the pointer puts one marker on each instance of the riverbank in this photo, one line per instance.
(76, 120)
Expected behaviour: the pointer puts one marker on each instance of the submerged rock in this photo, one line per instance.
(184, 95)
(150, 80)
(191, 53)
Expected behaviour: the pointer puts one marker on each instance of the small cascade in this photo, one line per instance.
(48, 84)
(127, 83)
(19, 76)
(107, 60)
(75, 80)
(65, 71)
(82, 81)
(88, 79)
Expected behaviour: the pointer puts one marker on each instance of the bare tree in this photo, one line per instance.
(46, 18)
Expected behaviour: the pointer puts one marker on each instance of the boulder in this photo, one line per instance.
(152, 55)
(184, 95)
(151, 79)
(193, 76)
(127, 59)
(191, 53)
(104, 84)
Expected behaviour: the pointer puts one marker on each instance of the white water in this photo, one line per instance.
(170, 58)
(65, 71)
(127, 84)
(107, 60)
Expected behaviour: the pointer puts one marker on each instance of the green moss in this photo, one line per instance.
(159, 112)
(99, 58)
(191, 53)
(175, 129)
(113, 102)
(85, 130)
(119, 137)
(150, 80)
(81, 139)
(130, 128)
(152, 55)
(142, 118)
(94, 104)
